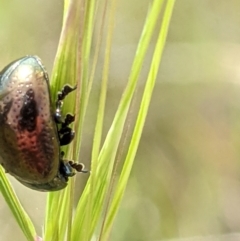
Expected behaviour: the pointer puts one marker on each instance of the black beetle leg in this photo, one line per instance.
(60, 97)
(68, 120)
(65, 91)
(66, 134)
(79, 167)
(58, 112)
(69, 168)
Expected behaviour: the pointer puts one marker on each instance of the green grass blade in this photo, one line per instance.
(19, 213)
(51, 230)
(120, 188)
(84, 48)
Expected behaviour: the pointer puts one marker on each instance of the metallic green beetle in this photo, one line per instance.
(31, 133)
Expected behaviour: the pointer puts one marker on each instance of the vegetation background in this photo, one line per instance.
(185, 181)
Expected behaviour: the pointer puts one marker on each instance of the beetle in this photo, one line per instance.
(32, 130)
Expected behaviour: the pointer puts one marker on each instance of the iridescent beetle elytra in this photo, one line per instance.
(31, 133)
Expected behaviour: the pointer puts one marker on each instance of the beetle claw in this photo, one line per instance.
(65, 91)
(79, 167)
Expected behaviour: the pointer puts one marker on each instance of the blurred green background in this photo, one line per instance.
(185, 181)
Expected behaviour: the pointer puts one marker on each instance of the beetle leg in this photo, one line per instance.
(68, 168)
(58, 112)
(65, 91)
(68, 120)
(60, 97)
(79, 167)
(66, 134)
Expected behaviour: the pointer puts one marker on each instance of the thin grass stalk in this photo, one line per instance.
(99, 37)
(102, 99)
